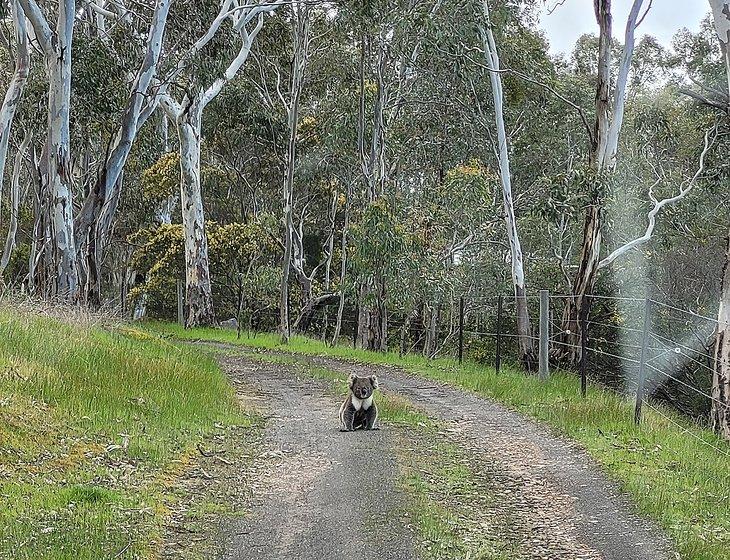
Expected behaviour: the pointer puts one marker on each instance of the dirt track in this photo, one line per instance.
(330, 495)
(333, 495)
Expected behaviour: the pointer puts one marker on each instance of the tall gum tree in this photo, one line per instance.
(721, 367)
(602, 160)
(93, 223)
(17, 84)
(56, 167)
(246, 21)
(300, 35)
(518, 270)
(387, 52)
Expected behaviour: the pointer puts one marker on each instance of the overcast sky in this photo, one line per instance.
(575, 17)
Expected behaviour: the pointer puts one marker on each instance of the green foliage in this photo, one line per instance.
(162, 178)
(241, 257)
(378, 240)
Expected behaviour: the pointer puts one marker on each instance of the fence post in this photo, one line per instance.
(642, 363)
(180, 304)
(461, 329)
(544, 371)
(585, 310)
(356, 325)
(498, 352)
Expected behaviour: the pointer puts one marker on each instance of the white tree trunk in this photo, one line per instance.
(14, 204)
(56, 46)
(188, 118)
(15, 91)
(59, 157)
(604, 149)
(608, 158)
(721, 15)
(299, 66)
(198, 294)
(721, 370)
(518, 270)
(721, 373)
(97, 214)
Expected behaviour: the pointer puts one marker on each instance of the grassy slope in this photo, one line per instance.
(93, 427)
(673, 473)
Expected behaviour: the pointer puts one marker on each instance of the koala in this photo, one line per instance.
(359, 410)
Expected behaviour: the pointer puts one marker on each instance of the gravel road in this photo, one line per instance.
(333, 495)
(330, 495)
(567, 506)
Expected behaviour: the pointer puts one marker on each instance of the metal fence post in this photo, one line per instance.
(642, 364)
(461, 329)
(544, 371)
(498, 350)
(180, 304)
(585, 310)
(356, 325)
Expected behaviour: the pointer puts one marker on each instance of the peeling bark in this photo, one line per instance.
(15, 196)
(93, 224)
(198, 293)
(56, 173)
(17, 85)
(604, 146)
(721, 369)
(188, 118)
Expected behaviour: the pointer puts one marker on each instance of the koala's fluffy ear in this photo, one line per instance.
(351, 380)
(374, 381)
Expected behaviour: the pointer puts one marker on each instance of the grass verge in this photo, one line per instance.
(95, 424)
(676, 472)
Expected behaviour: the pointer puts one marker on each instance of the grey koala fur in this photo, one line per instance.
(359, 410)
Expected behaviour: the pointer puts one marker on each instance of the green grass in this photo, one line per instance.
(673, 473)
(93, 424)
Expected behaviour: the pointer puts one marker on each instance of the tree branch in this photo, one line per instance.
(660, 204)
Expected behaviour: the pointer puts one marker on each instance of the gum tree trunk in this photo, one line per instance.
(198, 294)
(527, 352)
(604, 148)
(721, 371)
(301, 55)
(61, 268)
(15, 196)
(58, 179)
(94, 222)
(17, 85)
(188, 118)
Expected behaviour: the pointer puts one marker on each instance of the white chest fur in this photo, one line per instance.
(362, 403)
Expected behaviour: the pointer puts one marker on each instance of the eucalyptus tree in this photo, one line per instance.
(518, 270)
(604, 142)
(93, 224)
(390, 46)
(186, 111)
(721, 367)
(17, 85)
(56, 46)
(300, 40)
